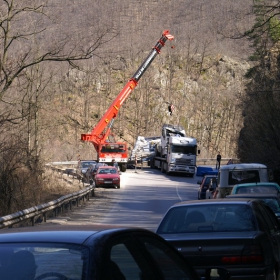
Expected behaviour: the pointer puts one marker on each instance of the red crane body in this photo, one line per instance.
(99, 136)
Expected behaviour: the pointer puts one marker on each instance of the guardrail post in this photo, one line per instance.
(32, 221)
(45, 216)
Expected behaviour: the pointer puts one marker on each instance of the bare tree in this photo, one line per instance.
(17, 54)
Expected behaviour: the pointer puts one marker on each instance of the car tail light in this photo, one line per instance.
(250, 254)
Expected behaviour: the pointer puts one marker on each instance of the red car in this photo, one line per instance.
(107, 176)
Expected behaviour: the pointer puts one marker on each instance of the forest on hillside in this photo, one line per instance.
(63, 63)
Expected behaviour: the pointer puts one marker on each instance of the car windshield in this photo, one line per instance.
(86, 164)
(107, 171)
(208, 218)
(28, 261)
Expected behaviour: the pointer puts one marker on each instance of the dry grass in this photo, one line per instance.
(58, 184)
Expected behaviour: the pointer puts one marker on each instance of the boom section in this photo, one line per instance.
(98, 134)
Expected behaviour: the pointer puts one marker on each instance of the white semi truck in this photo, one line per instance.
(175, 152)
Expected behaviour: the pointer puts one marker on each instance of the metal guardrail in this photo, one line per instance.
(42, 212)
(56, 206)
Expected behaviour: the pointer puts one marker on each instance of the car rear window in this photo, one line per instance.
(257, 189)
(243, 176)
(208, 218)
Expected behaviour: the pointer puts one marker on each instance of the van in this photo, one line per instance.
(233, 174)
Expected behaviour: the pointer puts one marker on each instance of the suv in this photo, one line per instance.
(82, 168)
(204, 185)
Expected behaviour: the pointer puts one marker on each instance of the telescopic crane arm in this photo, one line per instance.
(98, 134)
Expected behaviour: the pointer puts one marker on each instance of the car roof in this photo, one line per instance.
(242, 166)
(75, 234)
(257, 184)
(106, 167)
(212, 201)
(210, 175)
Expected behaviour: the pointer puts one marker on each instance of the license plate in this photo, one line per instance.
(108, 182)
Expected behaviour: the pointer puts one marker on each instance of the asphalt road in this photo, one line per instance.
(143, 198)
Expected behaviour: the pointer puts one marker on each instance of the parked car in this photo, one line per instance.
(107, 176)
(212, 189)
(204, 185)
(271, 200)
(91, 171)
(241, 235)
(262, 187)
(82, 168)
(112, 254)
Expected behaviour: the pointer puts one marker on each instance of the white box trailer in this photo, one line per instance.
(240, 173)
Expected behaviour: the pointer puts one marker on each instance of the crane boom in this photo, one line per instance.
(99, 134)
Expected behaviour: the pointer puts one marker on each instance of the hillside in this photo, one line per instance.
(203, 24)
(64, 62)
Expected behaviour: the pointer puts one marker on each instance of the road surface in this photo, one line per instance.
(144, 197)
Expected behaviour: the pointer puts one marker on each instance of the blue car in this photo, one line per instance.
(86, 254)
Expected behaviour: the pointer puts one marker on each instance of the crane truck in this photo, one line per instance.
(101, 137)
(175, 152)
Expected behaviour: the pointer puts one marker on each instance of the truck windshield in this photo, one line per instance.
(183, 149)
(113, 148)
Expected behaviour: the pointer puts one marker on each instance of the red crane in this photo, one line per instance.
(106, 149)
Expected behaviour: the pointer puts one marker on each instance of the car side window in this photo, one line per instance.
(125, 262)
(270, 220)
(170, 265)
